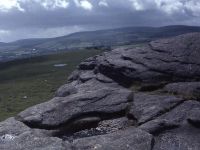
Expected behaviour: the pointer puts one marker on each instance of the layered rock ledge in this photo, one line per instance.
(142, 98)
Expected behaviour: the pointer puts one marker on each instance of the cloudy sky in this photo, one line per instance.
(21, 19)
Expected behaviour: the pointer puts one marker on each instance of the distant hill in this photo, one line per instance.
(110, 37)
(101, 38)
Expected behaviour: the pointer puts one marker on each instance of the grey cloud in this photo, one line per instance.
(44, 18)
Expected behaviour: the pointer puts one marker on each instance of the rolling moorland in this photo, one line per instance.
(30, 81)
(102, 39)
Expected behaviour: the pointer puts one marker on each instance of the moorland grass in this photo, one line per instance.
(24, 83)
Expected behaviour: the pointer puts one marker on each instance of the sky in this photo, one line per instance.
(20, 19)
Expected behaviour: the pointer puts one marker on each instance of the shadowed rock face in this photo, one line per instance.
(98, 110)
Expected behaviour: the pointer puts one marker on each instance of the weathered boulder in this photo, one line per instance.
(129, 139)
(27, 141)
(177, 129)
(165, 60)
(102, 102)
(183, 112)
(188, 110)
(162, 60)
(147, 107)
(188, 90)
(12, 127)
(15, 135)
(157, 126)
(66, 90)
(183, 138)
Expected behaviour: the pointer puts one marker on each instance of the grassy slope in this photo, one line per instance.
(35, 78)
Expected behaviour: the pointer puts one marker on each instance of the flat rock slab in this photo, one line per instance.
(149, 106)
(104, 103)
(183, 138)
(129, 139)
(27, 141)
(13, 127)
(188, 90)
(15, 135)
(185, 113)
